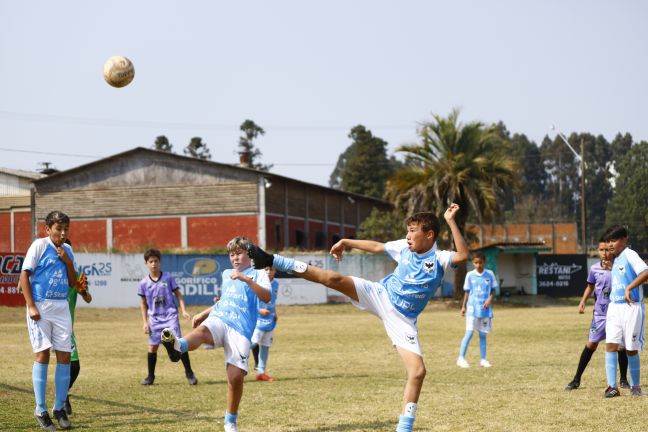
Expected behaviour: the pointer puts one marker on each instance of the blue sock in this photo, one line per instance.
(62, 384)
(464, 343)
(283, 263)
(634, 367)
(611, 359)
(230, 418)
(405, 424)
(482, 345)
(264, 351)
(184, 345)
(39, 379)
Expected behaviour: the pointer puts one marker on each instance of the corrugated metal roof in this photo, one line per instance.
(21, 173)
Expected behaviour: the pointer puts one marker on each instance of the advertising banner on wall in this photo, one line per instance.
(561, 275)
(10, 265)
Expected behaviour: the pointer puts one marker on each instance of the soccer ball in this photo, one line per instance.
(118, 71)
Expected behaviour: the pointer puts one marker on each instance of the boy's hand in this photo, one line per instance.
(487, 303)
(197, 319)
(146, 329)
(236, 275)
(581, 308)
(82, 284)
(337, 250)
(463, 310)
(451, 212)
(185, 315)
(264, 312)
(34, 313)
(628, 299)
(60, 251)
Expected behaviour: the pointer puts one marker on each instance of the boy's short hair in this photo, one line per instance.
(152, 253)
(615, 232)
(480, 255)
(427, 220)
(238, 243)
(56, 217)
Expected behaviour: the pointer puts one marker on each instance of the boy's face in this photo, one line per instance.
(618, 245)
(479, 264)
(153, 264)
(270, 271)
(58, 232)
(605, 251)
(240, 259)
(419, 241)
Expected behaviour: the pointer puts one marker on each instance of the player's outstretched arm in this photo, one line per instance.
(461, 254)
(370, 246)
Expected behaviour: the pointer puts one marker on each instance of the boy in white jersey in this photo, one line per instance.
(479, 289)
(228, 324)
(47, 272)
(625, 316)
(398, 298)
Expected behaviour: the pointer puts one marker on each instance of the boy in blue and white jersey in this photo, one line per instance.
(228, 324)
(264, 331)
(47, 272)
(479, 289)
(625, 316)
(397, 299)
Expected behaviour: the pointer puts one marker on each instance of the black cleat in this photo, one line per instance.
(611, 392)
(67, 406)
(44, 421)
(61, 418)
(191, 378)
(261, 258)
(171, 344)
(573, 385)
(624, 384)
(148, 380)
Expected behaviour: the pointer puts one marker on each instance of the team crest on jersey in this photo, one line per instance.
(634, 338)
(621, 269)
(411, 339)
(428, 266)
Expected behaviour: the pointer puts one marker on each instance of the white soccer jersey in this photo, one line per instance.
(48, 272)
(627, 266)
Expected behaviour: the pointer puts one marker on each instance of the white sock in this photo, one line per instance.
(410, 409)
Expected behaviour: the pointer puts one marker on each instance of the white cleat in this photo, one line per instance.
(484, 363)
(231, 427)
(462, 363)
(171, 343)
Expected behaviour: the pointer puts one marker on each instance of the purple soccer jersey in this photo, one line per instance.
(162, 308)
(602, 281)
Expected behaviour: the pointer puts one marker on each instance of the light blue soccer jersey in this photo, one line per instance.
(627, 266)
(416, 277)
(48, 273)
(238, 305)
(267, 323)
(479, 287)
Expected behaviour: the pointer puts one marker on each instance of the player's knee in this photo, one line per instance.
(418, 373)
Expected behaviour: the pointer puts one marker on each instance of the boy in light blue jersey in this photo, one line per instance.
(625, 316)
(264, 331)
(47, 272)
(479, 289)
(228, 324)
(397, 299)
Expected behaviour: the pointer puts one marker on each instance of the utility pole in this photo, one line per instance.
(583, 206)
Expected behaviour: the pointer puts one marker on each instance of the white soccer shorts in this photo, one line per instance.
(53, 329)
(236, 346)
(261, 337)
(374, 299)
(625, 325)
(483, 325)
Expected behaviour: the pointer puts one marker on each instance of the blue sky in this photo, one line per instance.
(309, 71)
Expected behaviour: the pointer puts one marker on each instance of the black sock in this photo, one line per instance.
(585, 357)
(75, 367)
(255, 352)
(623, 365)
(186, 362)
(152, 360)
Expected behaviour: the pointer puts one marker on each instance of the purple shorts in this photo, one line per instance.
(597, 329)
(155, 332)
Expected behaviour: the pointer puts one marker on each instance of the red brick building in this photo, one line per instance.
(15, 209)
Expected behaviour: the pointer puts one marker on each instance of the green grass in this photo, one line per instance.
(336, 371)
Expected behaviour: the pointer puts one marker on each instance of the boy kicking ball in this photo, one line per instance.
(228, 324)
(397, 299)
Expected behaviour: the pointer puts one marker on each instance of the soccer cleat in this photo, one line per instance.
(261, 258)
(67, 406)
(191, 378)
(611, 392)
(624, 384)
(573, 385)
(484, 363)
(44, 421)
(171, 344)
(636, 391)
(462, 363)
(148, 380)
(231, 427)
(264, 377)
(61, 418)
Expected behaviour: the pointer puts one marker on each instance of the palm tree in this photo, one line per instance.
(469, 164)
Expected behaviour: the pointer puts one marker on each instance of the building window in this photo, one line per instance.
(320, 240)
(300, 238)
(278, 238)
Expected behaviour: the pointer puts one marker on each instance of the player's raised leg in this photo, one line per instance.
(177, 346)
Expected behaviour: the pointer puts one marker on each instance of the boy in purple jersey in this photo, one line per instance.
(398, 298)
(228, 324)
(159, 292)
(599, 283)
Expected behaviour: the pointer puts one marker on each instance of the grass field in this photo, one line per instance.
(336, 371)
